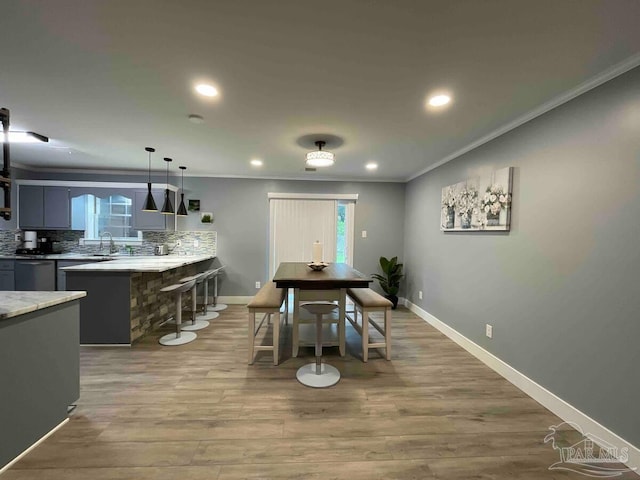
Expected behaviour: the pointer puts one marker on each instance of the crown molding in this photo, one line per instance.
(609, 74)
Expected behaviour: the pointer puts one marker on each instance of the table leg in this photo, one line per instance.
(296, 316)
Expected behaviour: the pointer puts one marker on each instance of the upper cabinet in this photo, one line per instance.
(44, 207)
(94, 207)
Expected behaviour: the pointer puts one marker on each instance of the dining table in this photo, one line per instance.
(329, 284)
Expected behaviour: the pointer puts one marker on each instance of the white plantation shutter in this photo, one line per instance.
(295, 225)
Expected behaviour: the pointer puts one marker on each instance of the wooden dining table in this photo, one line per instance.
(329, 284)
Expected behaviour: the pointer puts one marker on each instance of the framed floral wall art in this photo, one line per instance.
(481, 203)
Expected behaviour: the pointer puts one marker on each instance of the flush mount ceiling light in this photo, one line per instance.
(439, 100)
(256, 162)
(182, 210)
(25, 137)
(149, 203)
(207, 90)
(167, 207)
(320, 158)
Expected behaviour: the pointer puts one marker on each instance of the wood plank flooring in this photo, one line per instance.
(199, 412)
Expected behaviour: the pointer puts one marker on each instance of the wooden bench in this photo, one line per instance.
(367, 301)
(268, 300)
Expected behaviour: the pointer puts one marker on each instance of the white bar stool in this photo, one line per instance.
(179, 337)
(196, 323)
(206, 315)
(318, 374)
(217, 307)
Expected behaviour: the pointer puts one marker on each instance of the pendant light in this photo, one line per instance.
(182, 210)
(167, 208)
(149, 203)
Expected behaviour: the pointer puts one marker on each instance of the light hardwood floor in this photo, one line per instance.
(199, 412)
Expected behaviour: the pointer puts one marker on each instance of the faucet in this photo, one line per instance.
(112, 246)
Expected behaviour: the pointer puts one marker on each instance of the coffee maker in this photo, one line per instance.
(47, 246)
(30, 240)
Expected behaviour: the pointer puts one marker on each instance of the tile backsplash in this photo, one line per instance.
(206, 242)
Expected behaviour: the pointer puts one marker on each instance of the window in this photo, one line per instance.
(96, 215)
(296, 223)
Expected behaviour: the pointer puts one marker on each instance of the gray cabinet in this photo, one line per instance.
(44, 207)
(61, 280)
(6, 275)
(35, 275)
(152, 220)
(57, 208)
(31, 206)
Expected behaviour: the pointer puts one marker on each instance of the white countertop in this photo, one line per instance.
(151, 263)
(13, 304)
(59, 256)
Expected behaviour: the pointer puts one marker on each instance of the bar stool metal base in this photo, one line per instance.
(172, 340)
(199, 324)
(217, 308)
(208, 316)
(328, 376)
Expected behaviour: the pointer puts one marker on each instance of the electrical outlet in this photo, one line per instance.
(178, 243)
(196, 243)
(489, 331)
(364, 234)
(257, 284)
(18, 237)
(420, 295)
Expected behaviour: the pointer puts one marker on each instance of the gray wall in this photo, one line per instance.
(241, 219)
(561, 289)
(241, 212)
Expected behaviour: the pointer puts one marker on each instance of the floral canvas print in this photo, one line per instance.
(481, 203)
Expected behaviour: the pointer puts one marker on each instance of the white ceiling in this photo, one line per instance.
(106, 78)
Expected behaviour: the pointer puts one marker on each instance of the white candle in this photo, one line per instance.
(317, 252)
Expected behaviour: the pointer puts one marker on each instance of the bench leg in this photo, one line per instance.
(365, 335)
(387, 332)
(252, 329)
(276, 338)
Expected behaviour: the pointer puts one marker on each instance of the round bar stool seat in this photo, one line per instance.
(318, 374)
(217, 307)
(196, 323)
(179, 337)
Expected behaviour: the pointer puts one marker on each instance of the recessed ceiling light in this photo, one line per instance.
(439, 100)
(207, 90)
(371, 166)
(256, 162)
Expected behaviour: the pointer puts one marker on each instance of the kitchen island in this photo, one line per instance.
(124, 301)
(39, 366)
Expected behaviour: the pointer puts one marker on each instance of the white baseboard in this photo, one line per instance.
(555, 404)
(44, 437)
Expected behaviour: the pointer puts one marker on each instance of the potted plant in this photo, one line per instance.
(390, 281)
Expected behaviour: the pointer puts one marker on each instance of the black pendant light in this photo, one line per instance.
(167, 208)
(149, 204)
(182, 210)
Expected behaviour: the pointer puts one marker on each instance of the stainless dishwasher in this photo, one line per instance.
(35, 275)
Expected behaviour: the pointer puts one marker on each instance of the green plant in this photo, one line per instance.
(390, 281)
